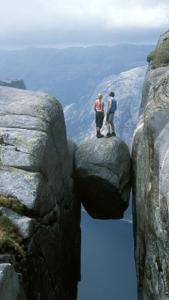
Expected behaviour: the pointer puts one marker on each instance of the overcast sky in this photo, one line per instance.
(41, 22)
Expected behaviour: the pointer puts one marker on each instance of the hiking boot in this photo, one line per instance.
(108, 134)
(99, 135)
(112, 134)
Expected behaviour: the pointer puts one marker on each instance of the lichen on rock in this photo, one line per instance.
(160, 56)
(14, 204)
(10, 238)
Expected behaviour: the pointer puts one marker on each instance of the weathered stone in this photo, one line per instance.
(27, 149)
(24, 224)
(151, 182)
(22, 148)
(103, 177)
(6, 258)
(9, 283)
(20, 184)
(37, 195)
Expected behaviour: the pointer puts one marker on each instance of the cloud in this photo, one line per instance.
(30, 16)
(68, 14)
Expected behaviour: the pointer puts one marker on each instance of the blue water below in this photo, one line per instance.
(108, 270)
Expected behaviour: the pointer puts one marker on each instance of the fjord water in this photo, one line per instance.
(108, 270)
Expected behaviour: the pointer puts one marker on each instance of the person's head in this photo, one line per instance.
(112, 94)
(100, 96)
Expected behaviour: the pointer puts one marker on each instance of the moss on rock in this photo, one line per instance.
(160, 56)
(10, 238)
(13, 204)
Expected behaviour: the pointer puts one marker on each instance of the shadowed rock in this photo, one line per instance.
(151, 179)
(103, 177)
(9, 283)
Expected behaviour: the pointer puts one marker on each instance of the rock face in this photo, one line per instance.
(19, 84)
(151, 179)
(39, 212)
(9, 283)
(103, 177)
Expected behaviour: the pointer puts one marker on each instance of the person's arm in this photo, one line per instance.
(109, 105)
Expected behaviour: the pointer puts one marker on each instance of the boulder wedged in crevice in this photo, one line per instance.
(102, 176)
(102, 202)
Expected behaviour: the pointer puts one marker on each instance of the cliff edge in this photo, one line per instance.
(151, 179)
(39, 212)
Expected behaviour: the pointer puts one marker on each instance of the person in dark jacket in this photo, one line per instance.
(112, 106)
(99, 109)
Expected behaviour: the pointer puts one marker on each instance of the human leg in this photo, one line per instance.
(111, 121)
(99, 123)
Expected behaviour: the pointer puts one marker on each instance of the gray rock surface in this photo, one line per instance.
(24, 224)
(103, 177)
(37, 194)
(19, 84)
(29, 156)
(151, 182)
(9, 283)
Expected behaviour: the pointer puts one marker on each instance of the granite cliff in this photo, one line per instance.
(39, 212)
(151, 179)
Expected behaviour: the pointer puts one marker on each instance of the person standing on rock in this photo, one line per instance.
(112, 106)
(99, 109)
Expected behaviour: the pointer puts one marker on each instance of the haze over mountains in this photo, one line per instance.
(127, 86)
(74, 75)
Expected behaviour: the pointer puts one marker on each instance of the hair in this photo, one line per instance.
(99, 96)
(112, 94)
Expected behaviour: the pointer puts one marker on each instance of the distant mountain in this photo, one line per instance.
(127, 86)
(18, 84)
(70, 74)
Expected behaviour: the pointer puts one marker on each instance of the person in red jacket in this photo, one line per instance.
(99, 109)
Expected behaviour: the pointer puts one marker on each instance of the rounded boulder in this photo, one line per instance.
(103, 177)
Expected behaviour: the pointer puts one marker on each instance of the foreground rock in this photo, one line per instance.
(151, 179)
(10, 288)
(39, 213)
(103, 177)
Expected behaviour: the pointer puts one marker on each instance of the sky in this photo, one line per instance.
(52, 22)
